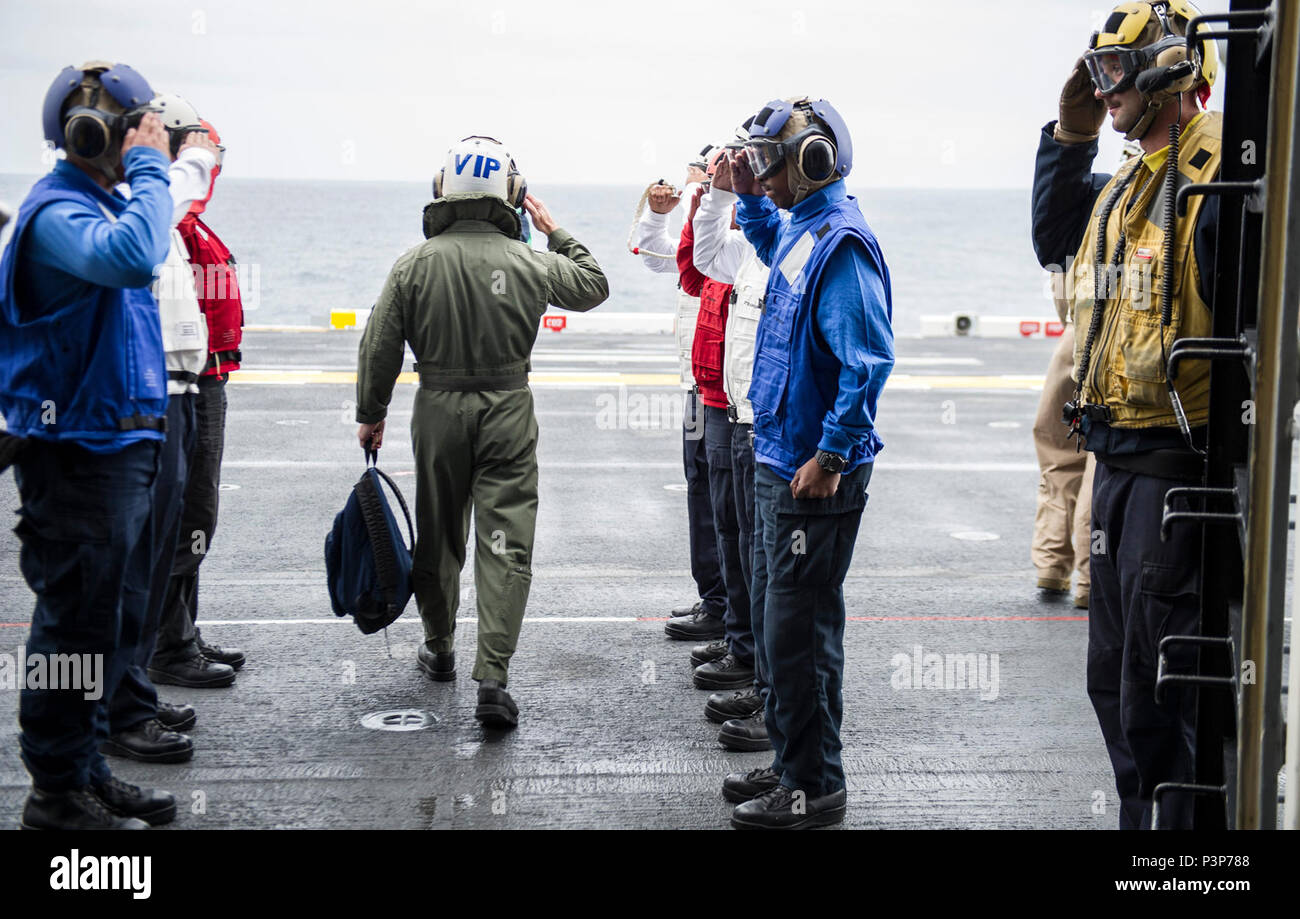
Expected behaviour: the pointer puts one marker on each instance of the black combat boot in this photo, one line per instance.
(495, 707)
(126, 800)
(80, 809)
(439, 666)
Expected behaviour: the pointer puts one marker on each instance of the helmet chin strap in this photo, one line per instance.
(1143, 125)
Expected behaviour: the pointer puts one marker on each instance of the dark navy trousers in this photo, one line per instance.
(742, 481)
(136, 699)
(706, 568)
(86, 529)
(1142, 590)
(802, 551)
(178, 632)
(726, 524)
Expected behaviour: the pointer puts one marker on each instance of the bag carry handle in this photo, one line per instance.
(372, 459)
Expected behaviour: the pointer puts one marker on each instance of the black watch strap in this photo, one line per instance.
(831, 462)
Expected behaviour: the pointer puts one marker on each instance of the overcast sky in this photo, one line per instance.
(935, 92)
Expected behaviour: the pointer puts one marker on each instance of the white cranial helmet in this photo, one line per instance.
(480, 166)
(178, 117)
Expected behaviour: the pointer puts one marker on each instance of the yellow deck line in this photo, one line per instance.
(901, 381)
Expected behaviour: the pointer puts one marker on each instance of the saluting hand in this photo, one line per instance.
(742, 177)
(695, 204)
(151, 133)
(540, 215)
(199, 139)
(722, 174)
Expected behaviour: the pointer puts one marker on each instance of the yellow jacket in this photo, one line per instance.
(1126, 373)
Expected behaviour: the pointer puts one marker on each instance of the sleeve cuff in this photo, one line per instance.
(752, 205)
(374, 417)
(558, 239)
(835, 441)
(654, 220)
(141, 156)
(717, 202)
(206, 158)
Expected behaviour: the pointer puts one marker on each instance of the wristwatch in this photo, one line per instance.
(831, 462)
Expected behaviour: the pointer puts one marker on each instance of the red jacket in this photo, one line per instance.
(710, 327)
(217, 285)
(215, 282)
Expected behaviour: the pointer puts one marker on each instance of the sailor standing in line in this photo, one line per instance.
(701, 620)
(722, 252)
(182, 656)
(1112, 236)
(141, 727)
(824, 348)
(84, 382)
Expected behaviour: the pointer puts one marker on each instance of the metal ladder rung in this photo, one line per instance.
(1164, 679)
(1219, 791)
(1170, 516)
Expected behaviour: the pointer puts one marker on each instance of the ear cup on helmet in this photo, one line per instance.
(87, 133)
(437, 183)
(816, 158)
(1177, 54)
(516, 189)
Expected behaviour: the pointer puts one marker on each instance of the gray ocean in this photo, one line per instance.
(317, 246)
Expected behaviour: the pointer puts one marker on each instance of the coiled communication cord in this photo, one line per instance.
(1166, 283)
(1101, 287)
(636, 219)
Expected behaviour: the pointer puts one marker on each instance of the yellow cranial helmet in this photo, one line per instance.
(1142, 36)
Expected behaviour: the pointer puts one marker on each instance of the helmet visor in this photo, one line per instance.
(1113, 70)
(765, 157)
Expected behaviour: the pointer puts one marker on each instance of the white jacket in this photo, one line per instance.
(184, 330)
(725, 255)
(652, 235)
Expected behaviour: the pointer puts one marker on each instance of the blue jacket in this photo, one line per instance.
(79, 329)
(825, 343)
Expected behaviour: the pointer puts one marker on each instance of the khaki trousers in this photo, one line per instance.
(1062, 525)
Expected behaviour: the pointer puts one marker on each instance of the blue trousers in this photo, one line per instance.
(726, 524)
(705, 566)
(1142, 590)
(802, 551)
(86, 531)
(136, 699)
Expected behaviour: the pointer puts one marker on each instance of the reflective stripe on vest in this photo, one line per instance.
(795, 378)
(742, 325)
(688, 308)
(92, 373)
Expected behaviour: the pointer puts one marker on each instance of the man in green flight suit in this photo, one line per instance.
(469, 300)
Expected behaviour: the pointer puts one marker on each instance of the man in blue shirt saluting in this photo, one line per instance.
(824, 348)
(84, 384)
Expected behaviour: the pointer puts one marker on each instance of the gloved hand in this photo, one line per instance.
(1082, 113)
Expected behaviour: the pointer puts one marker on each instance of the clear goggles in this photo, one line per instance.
(1113, 70)
(766, 155)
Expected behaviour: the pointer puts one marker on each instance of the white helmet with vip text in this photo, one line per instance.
(481, 166)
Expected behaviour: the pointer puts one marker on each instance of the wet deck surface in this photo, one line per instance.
(612, 733)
